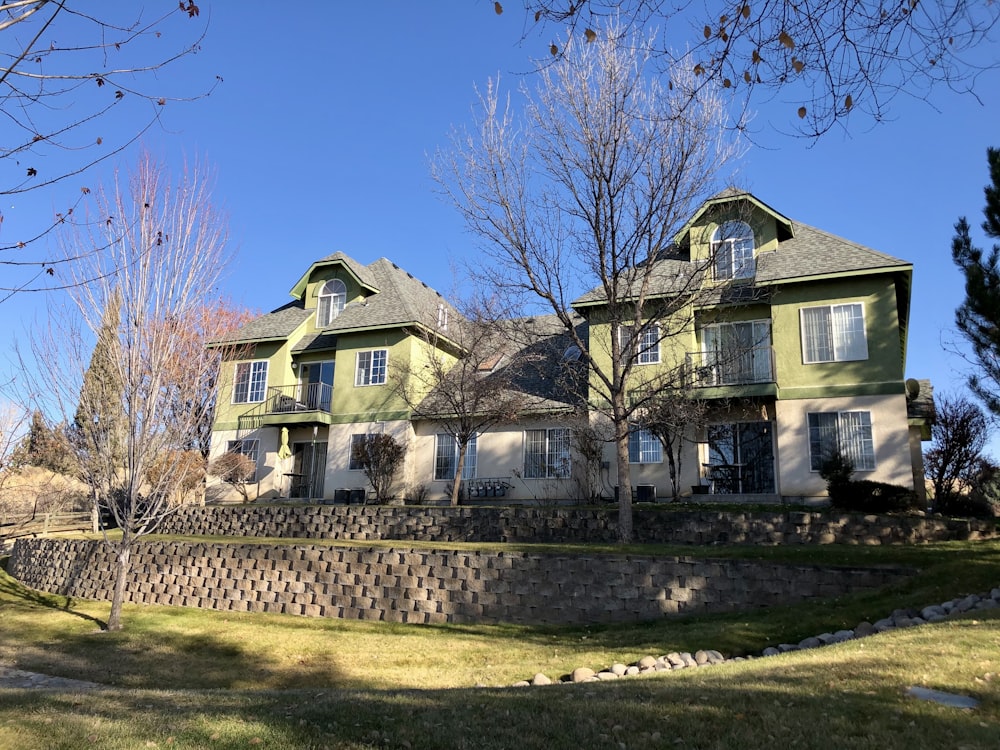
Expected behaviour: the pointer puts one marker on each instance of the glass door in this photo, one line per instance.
(316, 382)
(308, 470)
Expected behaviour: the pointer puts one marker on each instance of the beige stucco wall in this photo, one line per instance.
(890, 434)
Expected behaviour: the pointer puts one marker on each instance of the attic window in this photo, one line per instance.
(442, 317)
(332, 298)
(489, 364)
(732, 251)
(572, 353)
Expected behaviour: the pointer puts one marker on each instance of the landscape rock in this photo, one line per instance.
(540, 679)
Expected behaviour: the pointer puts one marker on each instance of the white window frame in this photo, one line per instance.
(252, 383)
(331, 302)
(446, 457)
(548, 453)
(357, 437)
(720, 360)
(734, 250)
(845, 343)
(853, 433)
(644, 447)
(249, 447)
(371, 367)
(647, 351)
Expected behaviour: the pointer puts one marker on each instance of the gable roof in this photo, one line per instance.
(398, 299)
(730, 195)
(358, 271)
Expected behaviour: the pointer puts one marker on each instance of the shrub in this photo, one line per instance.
(974, 505)
(866, 496)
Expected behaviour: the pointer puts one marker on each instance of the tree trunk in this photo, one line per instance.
(624, 490)
(123, 561)
(456, 486)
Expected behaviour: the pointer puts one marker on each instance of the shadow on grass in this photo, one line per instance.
(12, 588)
(851, 700)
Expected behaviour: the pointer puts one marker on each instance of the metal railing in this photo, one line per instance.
(736, 367)
(287, 399)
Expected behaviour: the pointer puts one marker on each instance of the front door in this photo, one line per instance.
(308, 470)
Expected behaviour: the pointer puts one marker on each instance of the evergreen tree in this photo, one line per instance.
(99, 436)
(978, 317)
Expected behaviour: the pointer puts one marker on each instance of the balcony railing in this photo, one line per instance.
(289, 399)
(737, 367)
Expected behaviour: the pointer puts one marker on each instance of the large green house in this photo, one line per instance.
(798, 347)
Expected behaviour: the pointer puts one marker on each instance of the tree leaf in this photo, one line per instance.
(848, 102)
(746, 76)
(708, 31)
(553, 50)
(745, 11)
(786, 40)
(802, 112)
(726, 83)
(755, 57)
(798, 65)
(590, 34)
(498, 9)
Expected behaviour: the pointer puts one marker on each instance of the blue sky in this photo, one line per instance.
(321, 131)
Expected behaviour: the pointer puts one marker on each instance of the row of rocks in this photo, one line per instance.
(900, 618)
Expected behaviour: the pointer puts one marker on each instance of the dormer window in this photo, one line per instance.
(332, 298)
(732, 251)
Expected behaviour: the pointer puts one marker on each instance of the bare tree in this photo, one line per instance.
(827, 58)
(465, 385)
(954, 462)
(675, 418)
(591, 188)
(236, 470)
(165, 248)
(380, 456)
(79, 84)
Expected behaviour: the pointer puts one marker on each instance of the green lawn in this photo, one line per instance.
(192, 679)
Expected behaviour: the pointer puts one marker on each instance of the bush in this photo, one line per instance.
(974, 505)
(866, 496)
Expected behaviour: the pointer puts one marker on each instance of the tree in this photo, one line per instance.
(468, 391)
(591, 187)
(978, 317)
(827, 58)
(78, 85)
(674, 417)
(236, 470)
(164, 249)
(954, 463)
(46, 446)
(380, 456)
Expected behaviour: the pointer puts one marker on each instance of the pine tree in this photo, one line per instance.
(978, 317)
(99, 421)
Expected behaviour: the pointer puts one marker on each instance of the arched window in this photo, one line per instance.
(332, 298)
(732, 251)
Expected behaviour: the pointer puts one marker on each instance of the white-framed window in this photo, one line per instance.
(647, 350)
(371, 368)
(733, 251)
(833, 333)
(250, 382)
(644, 447)
(446, 457)
(357, 439)
(332, 298)
(849, 432)
(248, 447)
(737, 353)
(547, 453)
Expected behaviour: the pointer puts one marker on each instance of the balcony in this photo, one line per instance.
(302, 403)
(740, 367)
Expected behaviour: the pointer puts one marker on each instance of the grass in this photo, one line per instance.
(198, 679)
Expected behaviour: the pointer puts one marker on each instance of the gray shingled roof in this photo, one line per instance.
(277, 324)
(363, 273)
(403, 299)
(809, 252)
(813, 252)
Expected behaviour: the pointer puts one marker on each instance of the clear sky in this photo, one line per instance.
(321, 131)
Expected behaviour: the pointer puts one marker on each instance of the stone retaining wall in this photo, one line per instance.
(564, 525)
(439, 586)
